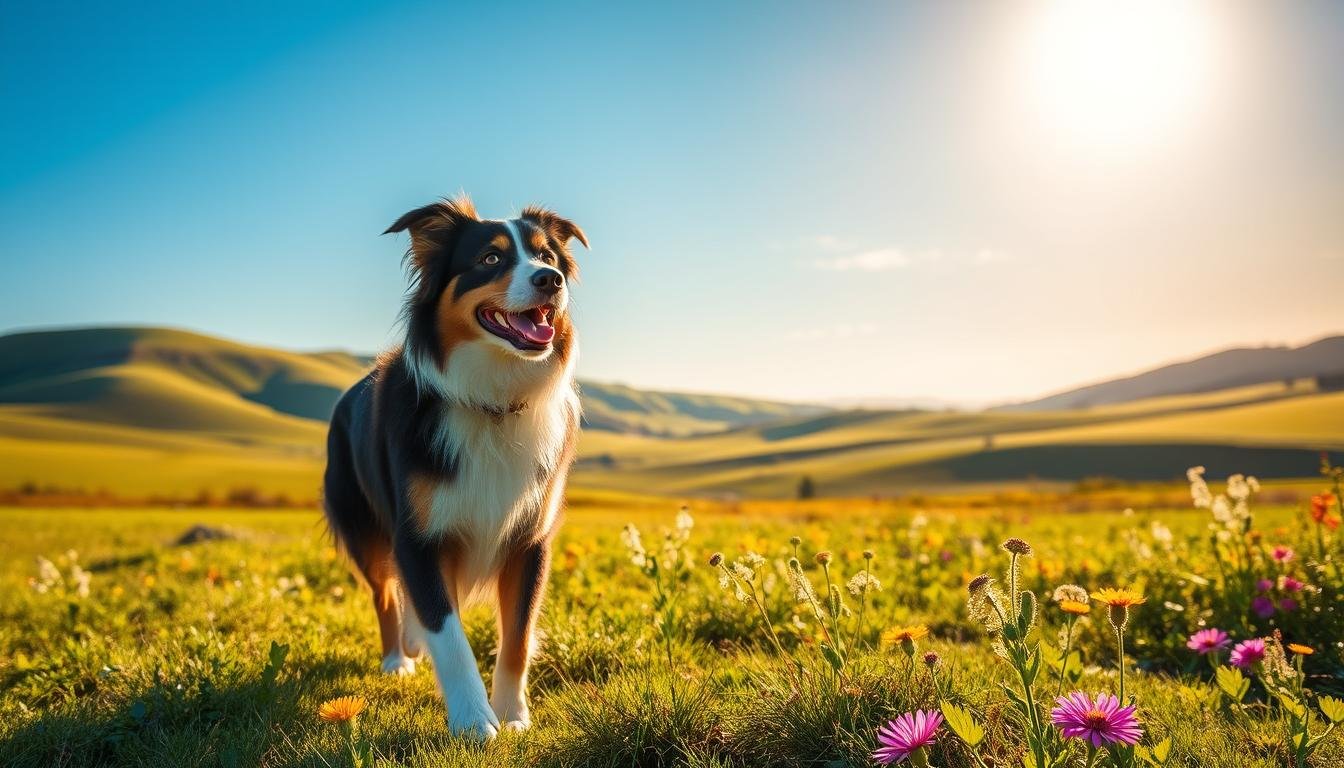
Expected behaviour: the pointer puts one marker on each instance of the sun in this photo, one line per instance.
(1116, 75)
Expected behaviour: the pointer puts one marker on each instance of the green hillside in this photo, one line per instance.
(142, 411)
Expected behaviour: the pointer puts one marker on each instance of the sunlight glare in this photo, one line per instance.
(1108, 75)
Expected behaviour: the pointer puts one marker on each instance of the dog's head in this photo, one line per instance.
(502, 284)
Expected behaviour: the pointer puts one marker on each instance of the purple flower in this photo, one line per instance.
(1291, 585)
(1208, 640)
(1247, 653)
(1264, 585)
(1287, 605)
(1263, 607)
(1101, 721)
(911, 731)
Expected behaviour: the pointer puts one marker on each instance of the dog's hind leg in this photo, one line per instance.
(388, 604)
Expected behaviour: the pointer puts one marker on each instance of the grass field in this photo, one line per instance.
(129, 650)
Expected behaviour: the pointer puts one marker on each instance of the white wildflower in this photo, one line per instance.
(634, 544)
(1199, 490)
(862, 583)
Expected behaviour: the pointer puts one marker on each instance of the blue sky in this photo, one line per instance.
(800, 200)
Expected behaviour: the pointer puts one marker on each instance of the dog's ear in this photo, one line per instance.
(561, 229)
(433, 226)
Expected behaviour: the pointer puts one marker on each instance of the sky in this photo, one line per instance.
(972, 202)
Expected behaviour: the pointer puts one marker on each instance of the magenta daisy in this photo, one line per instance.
(905, 735)
(1247, 653)
(1101, 721)
(1208, 640)
(1283, 554)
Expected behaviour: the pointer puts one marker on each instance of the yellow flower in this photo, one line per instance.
(1301, 650)
(1074, 607)
(341, 709)
(1122, 597)
(898, 635)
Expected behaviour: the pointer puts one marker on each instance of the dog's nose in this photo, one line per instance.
(548, 280)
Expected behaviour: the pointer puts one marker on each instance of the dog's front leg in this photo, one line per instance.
(521, 583)
(434, 598)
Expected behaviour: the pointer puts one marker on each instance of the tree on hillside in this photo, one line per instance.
(806, 488)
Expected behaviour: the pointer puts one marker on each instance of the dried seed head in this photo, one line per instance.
(824, 558)
(867, 554)
(978, 584)
(1017, 547)
(716, 559)
(795, 541)
(931, 659)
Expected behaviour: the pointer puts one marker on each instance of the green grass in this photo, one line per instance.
(164, 661)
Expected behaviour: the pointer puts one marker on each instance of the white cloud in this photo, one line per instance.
(991, 256)
(879, 260)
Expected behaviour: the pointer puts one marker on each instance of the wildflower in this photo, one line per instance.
(902, 634)
(1075, 608)
(863, 582)
(1287, 605)
(1247, 653)
(1291, 585)
(1199, 490)
(823, 558)
(1301, 650)
(630, 537)
(1101, 721)
(1264, 585)
(1072, 599)
(867, 554)
(1017, 547)
(795, 540)
(931, 659)
(1320, 511)
(716, 559)
(684, 521)
(1119, 599)
(978, 583)
(1262, 606)
(1208, 641)
(907, 735)
(1283, 554)
(341, 709)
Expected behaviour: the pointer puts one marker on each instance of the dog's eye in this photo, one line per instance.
(490, 259)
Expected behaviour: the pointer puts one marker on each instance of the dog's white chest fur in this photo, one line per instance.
(504, 467)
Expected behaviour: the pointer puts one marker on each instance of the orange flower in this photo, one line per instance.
(1320, 510)
(1301, 650)
(898, 635)
(341, 709)
(1074, 607)
(1122, 597)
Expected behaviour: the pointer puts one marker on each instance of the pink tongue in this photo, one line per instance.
(537, 334)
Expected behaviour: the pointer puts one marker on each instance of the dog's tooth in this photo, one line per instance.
(499, 318)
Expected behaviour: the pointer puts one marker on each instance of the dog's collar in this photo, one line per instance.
(493, 411)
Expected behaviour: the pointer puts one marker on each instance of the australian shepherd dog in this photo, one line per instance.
(446, 465)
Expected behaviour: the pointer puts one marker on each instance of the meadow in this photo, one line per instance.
(119, 646)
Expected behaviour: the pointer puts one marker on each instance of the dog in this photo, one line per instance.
(447, 464)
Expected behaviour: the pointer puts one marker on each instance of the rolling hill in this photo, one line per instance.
(1221, 370)
(144, 411)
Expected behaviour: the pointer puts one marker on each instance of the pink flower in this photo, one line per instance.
(1263, 607)
(1287, 605)
(1101, 721)
(1283, 554)
(1247, 653)
(1264, 585)
(1291, 585)
(1208, 640)
(901, 737)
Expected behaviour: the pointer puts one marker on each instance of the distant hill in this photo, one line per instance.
(178, 380)
(142, 411)
(1221, 370)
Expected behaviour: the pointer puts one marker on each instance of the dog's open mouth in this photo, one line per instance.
(530, 329)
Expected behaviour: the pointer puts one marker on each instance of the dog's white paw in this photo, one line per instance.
(396, 664)
(515, 725)
(479, 725)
